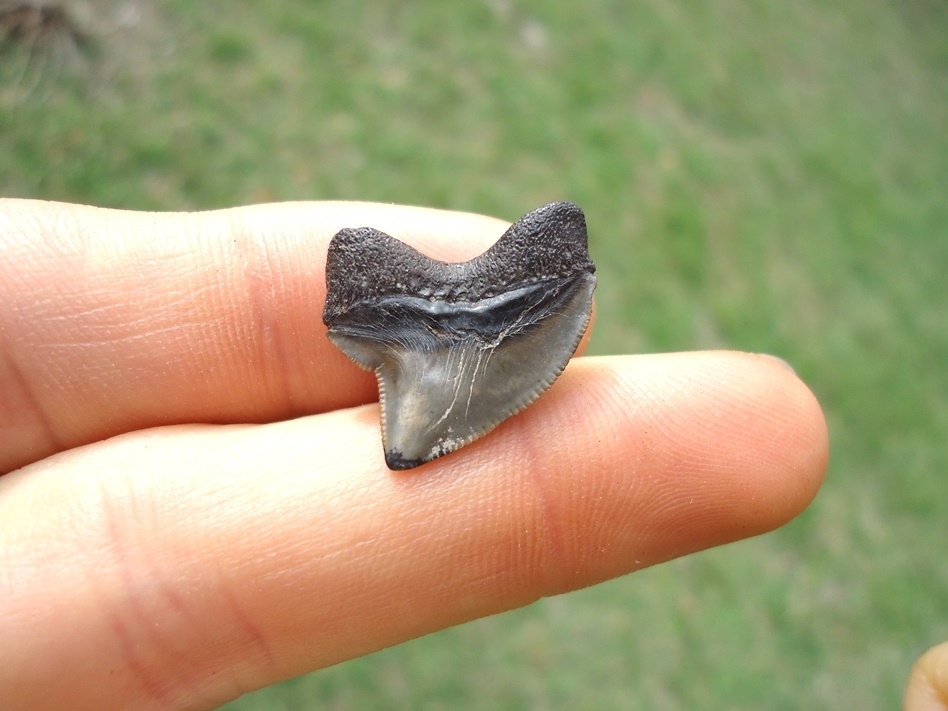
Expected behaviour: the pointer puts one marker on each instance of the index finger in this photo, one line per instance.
(112, 321)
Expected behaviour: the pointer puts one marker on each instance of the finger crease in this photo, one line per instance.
(25, 412)
(267, 337)
(548, 533)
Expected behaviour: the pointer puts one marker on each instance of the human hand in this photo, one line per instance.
(200, 505)
(927, 688)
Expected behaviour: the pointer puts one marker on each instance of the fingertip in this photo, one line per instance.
(927, 687)
(801, 446)
(675, 453)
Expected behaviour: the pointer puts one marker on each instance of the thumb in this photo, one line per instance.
(927, 688)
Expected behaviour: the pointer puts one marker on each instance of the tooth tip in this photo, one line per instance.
(396, 462)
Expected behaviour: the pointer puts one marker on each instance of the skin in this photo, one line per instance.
(195, 502)
(927, 688)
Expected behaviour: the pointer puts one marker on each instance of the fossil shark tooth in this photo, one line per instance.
(459, 348)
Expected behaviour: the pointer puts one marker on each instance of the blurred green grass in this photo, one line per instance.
(767, 177)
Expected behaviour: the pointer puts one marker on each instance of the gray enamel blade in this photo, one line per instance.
(459, 348)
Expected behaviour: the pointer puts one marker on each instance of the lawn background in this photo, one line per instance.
(765, 176)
